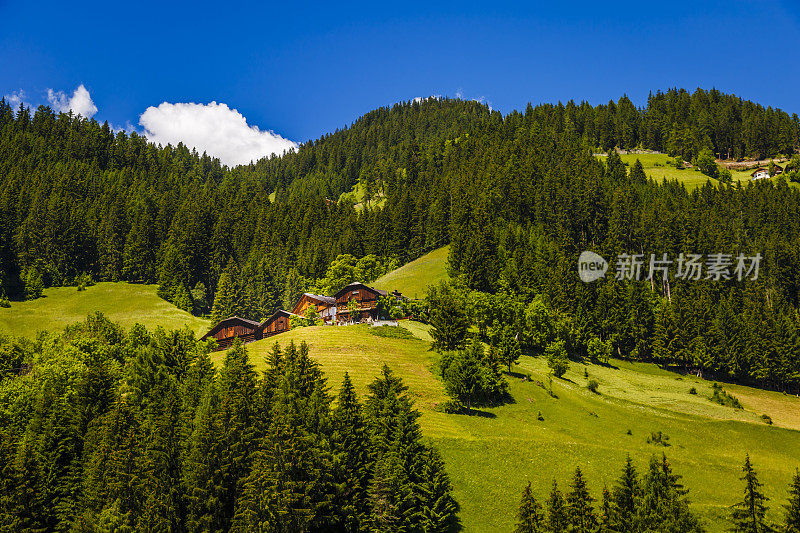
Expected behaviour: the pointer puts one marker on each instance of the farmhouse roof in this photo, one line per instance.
(358, 284)
(276, 314)
(330, 300)
(230, 320)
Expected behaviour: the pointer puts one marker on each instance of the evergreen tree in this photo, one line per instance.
(463, 377)
(606, 512)
(438, 508)
(557, 513)
(626, 495)
(351, 459)
(448, 320)
(529, 516)
(581, 514)
(749, 514)
(792, 508)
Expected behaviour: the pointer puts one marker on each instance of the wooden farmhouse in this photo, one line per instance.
(366, 303)
(227, 330)
(324, 305)
(277, 323)
(334, 310)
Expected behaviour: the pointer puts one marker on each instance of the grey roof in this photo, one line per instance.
(322, 298)
(224, 321)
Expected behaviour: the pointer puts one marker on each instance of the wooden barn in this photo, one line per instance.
(277, 323)
(366, 299)
(324, 305)
(229, 329)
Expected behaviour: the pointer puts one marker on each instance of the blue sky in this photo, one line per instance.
(305, 69)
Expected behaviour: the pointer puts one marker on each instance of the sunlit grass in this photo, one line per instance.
(123, 303)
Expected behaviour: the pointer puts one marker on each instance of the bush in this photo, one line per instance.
(692, 391)
(4, 302)
(658, 438)
(470, 377)
(540, 417)
(767, 419)
(392, 332)
(592, 385)
(722, 397)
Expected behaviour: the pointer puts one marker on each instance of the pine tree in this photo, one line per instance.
(204, 469)
(529, 516)
(448, 320)
(749, 514)
(637, 174)
(229, 299)
(350, 443)
(438, 508)
(557, 517)
(626, 495)
(664, 505)
(579, 505)
(606, 512)
(792, 508)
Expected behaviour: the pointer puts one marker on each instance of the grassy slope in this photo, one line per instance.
(124, 303)
(655, 166)
(413, 278)
(491, 457)
(356, 195)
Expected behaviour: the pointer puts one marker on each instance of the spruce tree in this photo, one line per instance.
(438, 508)
(606, 512)
(529, 516)
(749, 515)
(626, 495)
(463, 377)
(351, 459)
(557, 517)
(581, 514)
(792, 508)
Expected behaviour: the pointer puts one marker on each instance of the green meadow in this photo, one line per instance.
(413, 278)
(656, 166)
(491, 455)
(123, 303)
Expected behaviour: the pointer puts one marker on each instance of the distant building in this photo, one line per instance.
(229, 329)
(334, 310)
(366, 303)
(763, 172)
(324, 305)
(226, 331)
(277, 323)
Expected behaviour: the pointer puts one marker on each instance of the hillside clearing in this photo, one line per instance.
(656, 166)
(490, 457)
(123, 303)
(413, 278)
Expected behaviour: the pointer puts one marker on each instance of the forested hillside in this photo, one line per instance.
(517, 196)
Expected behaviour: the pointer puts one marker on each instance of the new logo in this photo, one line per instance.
(591, 266)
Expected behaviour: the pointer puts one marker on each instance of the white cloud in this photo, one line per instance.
(79, 103)
(480, 99)
(420, 99)
(15, 98)
(212, 128)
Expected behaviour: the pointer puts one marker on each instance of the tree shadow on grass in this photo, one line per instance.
(475, 412)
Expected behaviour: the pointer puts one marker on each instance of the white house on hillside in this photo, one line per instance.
(763, 172)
